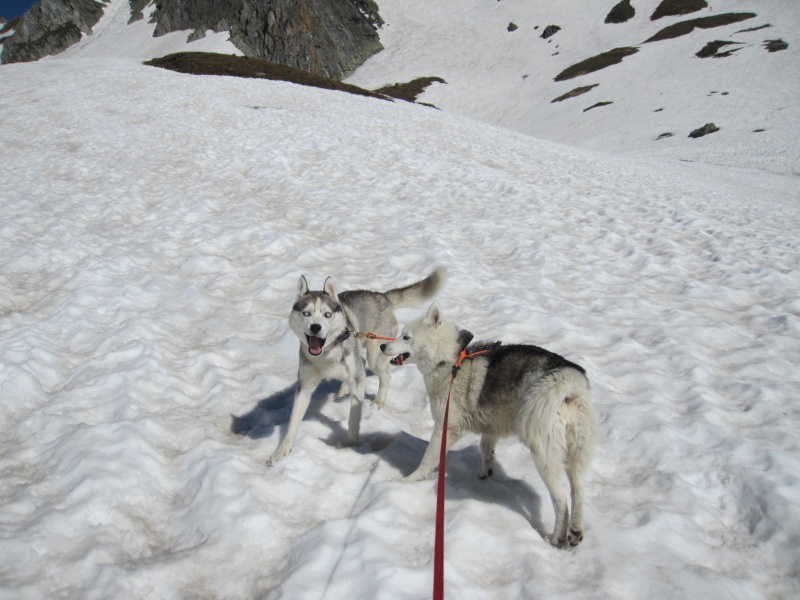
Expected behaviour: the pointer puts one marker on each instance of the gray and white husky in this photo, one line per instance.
(519, 390)
(327, 324)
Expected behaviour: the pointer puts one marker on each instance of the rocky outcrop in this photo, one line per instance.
(330, 38)
(50, 27)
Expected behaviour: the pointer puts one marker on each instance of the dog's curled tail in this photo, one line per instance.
(556, 419)
(414, 294)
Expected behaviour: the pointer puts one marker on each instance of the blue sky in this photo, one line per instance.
(9, 9)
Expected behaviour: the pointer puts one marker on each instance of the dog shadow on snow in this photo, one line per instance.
(404, 452)
(270, 417)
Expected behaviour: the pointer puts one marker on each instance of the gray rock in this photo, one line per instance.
(50, 27)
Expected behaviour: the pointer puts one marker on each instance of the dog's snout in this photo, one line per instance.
(315, 328)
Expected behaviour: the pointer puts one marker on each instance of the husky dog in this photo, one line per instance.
(327, 324)
(509, 390)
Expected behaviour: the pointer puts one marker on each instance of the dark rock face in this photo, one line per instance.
(330, 38)
(50, 27)
(621, 13)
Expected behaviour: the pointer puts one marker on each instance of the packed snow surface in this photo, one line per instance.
(153, 230)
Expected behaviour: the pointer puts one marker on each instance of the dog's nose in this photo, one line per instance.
(315, 328)
(383, 347)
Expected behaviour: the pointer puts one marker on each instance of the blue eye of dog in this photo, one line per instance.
(328, 315)
(306, 313)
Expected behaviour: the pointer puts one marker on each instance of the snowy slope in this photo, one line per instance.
(507, 78)
(113, 37)
(153, 229)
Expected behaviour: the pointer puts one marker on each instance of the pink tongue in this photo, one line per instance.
(314, 345)
(398, 360)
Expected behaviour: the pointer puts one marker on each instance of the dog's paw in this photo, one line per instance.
(485, 474)
(379, 402)
(415, 476)
(574, 537)
(279, 454)
(557, 542)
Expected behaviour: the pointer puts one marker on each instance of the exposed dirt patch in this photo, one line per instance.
(775, 45)
(711, 49)
(673, 8)
(597, 105)
(576, 92)
(409, 91)
(686, 27)
(621, 12)
(601, 61)
(704, 130)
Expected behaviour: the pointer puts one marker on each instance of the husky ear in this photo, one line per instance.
(330, 289)
(302, 287)
(434, 315)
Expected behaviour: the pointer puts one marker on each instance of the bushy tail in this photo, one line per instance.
(414, 294)
(568, 434)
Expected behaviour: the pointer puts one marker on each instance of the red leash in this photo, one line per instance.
(438, 544)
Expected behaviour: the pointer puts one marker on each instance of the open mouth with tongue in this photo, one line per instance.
(400, 359)
(315, 344)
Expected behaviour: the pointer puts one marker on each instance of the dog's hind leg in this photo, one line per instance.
(379, 363)
(550, 470)
(488, 443)
(580, 445)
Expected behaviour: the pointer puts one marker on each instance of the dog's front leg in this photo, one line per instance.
(431, 457)
(302, 398)
(358, 386)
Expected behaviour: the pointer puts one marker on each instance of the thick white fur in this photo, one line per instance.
(548, 410)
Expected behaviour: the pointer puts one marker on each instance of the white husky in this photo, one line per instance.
(328, 325)
(511, 390)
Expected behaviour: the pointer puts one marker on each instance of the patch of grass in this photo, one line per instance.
(576, 92)
(601, 61)
(672, 8)
(209, 63)
(686, 27)
(410, 90)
